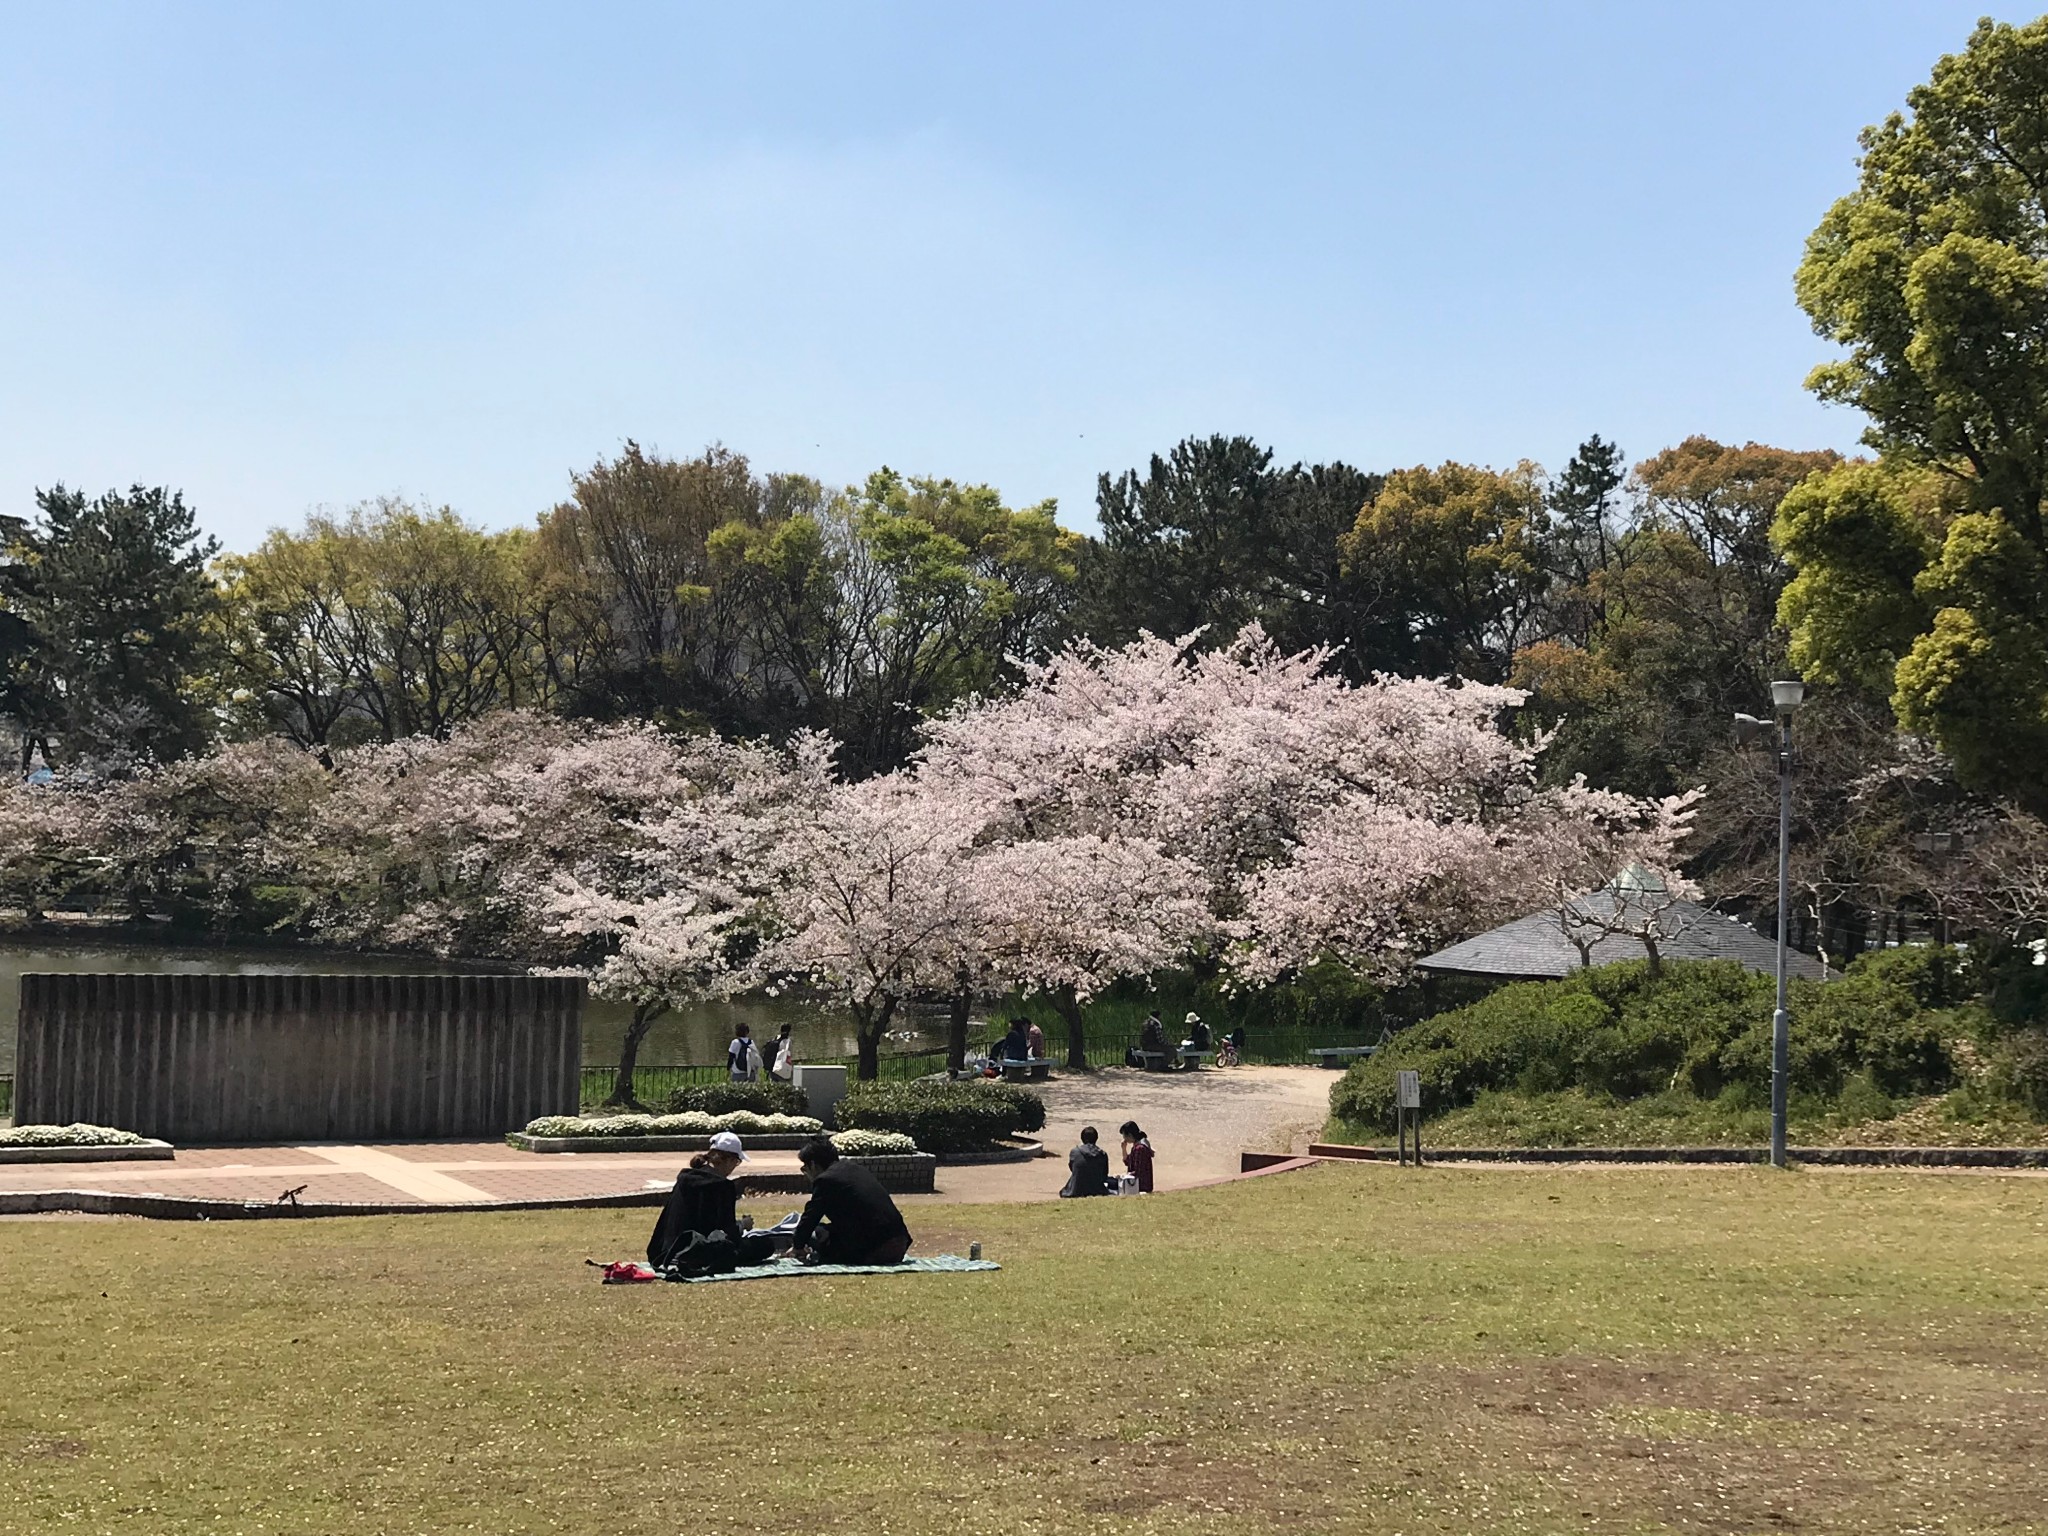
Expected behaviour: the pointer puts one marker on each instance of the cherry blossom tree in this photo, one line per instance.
(1323, 819)
(875, 901)
(1068, 916)
(442, 846)
(678, 908)
(46, 830)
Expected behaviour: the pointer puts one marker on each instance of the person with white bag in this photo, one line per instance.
(743, 1057)
(782, 1056)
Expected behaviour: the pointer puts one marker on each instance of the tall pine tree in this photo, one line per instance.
(116, 593)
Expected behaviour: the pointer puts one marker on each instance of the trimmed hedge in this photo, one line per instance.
(943, 1117)
(770, 1096)
(692, 1123)
(1703, 1026)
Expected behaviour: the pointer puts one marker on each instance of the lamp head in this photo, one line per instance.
(1748, 728)
(1787, 694)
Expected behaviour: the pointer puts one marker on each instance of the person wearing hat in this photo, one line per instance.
(1197, 1038)
(705, 1201)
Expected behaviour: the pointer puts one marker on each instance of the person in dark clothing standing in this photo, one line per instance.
(704, 1201)
(849, 1218)
(1137, 1155)
(1087, 1168)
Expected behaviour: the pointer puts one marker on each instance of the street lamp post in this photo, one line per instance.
(1786, 696)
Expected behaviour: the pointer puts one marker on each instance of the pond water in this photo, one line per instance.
(694, 1033)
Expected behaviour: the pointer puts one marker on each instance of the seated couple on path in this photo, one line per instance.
(849, 1218)
(1088, 1164)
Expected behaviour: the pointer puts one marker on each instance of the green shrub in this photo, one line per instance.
(68, 1136)
(770, 1096)
(1933, 973)
(1703, 1027)
(943, 1117)
(2016, 1070)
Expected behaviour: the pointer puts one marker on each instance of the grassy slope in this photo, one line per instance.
(1576, 1118)
(1336, 1351)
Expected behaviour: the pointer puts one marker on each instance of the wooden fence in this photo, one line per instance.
(229, 1058)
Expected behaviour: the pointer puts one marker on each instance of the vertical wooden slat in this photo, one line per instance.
(216, 1058)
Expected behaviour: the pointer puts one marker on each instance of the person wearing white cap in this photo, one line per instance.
(704, 1201)
(1197, 1039)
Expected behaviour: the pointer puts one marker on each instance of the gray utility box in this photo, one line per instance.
(822, 1088)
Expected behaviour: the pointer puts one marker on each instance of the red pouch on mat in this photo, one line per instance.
(626, 1273)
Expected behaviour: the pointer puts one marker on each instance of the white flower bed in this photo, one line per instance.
(691, 1123)
(69, 1136)
(872, 1143)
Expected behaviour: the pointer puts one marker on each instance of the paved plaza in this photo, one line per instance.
(1198, 1123)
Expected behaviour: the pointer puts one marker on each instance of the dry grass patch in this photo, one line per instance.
(1346, 1350)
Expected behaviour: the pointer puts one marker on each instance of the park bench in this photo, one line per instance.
(1191, 1060)
(1034, 1069)
(1153, 1061)
(1337, 1055)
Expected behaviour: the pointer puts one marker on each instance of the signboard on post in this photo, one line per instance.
(1408, 1113)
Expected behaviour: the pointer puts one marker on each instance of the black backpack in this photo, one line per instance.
(706, 1253)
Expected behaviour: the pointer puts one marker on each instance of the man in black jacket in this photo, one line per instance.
(1087, 1168)
(850, 1218)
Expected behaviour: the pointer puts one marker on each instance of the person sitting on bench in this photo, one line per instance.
(849, 1218)
(705, 1202)
(1016, 1045)
(1151, 1038)
(1087, 1168)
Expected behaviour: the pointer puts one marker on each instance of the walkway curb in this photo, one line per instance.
(1819, 1157)
(125, 1152)
(100, 1202)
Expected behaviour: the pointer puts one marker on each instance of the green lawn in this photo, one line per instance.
(1348, 1349)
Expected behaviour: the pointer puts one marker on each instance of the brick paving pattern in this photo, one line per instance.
(1199, 1124)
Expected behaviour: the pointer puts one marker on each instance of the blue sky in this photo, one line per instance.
(293, 256)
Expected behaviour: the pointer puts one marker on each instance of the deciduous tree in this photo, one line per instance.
(1931, 275)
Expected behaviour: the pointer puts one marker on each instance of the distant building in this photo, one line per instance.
(1628, 919)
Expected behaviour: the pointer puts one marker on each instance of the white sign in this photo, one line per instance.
(1407, 1090)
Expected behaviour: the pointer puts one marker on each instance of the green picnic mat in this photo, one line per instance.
(936, 1264)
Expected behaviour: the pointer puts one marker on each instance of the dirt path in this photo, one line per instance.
(1197, 1123)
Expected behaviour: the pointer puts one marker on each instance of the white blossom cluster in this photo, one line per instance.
(690, 1123)
(873, 1143)
(68, 1136)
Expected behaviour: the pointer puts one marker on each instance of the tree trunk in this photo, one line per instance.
(871, 1022)
(956, 1032)
(1069, 1008)
(622, 1095)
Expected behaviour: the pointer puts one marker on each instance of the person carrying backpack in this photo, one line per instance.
(743, 1057)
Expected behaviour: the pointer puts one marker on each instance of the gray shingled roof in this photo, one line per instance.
(1536, 947)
